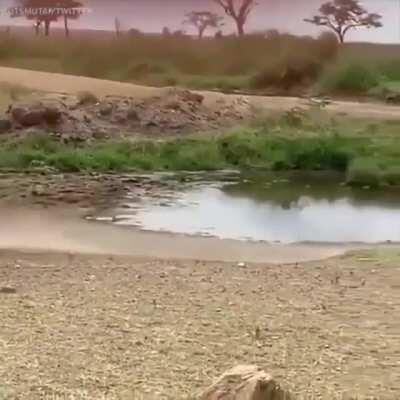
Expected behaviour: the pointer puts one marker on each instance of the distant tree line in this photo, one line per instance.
(340, 16)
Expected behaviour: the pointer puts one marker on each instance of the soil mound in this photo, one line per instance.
(83, 116)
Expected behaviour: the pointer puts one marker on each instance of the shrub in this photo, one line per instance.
(348, 77)
(364, 172)
(85, 97)
(286, 73)
(327, 46)
(391, 175)
(143, 69)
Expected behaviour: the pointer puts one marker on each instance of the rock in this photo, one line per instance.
(120, 117)
(38, 190)
(393, 98)
(5, 125)
(106, 109)
(7, 290)
(173, 105)
(51, 114)
(28, 115)
(132, 115)
(245, 382)
(100, 134)
(186, 95)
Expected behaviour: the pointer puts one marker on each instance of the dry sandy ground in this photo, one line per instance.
(101, 327)
(61, 230)
(51, 82)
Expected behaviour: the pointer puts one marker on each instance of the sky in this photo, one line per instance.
(284, 15)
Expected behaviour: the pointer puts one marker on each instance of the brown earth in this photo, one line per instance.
(84, 116)
(59, 83)
(101, 327)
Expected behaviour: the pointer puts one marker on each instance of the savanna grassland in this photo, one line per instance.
(272, 63)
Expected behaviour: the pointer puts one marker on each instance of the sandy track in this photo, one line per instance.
(60, 83)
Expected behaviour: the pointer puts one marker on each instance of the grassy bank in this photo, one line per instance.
(368, 155)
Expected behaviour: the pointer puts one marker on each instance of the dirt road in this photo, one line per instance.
(51, 82)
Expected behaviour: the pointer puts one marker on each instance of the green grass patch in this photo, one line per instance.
(364, 172)
(367, 156)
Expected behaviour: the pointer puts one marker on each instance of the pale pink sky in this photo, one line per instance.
(285, 15)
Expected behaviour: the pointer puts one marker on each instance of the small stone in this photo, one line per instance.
(393, 98)
(38, 190)
(133, 115)
(257, 333)
(5, 125)
(105, 110)
(7, 290)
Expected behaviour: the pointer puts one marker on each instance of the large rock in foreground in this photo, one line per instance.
(36, 114)
(245, 382)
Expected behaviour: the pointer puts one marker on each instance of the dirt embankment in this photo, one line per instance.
(85, 116)
(72, 85)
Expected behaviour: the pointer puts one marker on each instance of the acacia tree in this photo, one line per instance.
(238, 10)
(343, 15)
(117, 26)
(166, 32)
(202, 20)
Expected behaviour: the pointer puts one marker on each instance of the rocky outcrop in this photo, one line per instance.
(245, 382)
(84, 117)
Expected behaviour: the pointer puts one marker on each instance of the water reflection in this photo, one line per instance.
(276, 210)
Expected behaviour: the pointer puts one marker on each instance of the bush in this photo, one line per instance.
(143, 69)
(85, 98)
(327, 46)
(286, 73)
(391, 175)
(350, 78)
(364, 172)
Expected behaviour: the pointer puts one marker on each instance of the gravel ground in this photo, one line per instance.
(96, 327)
